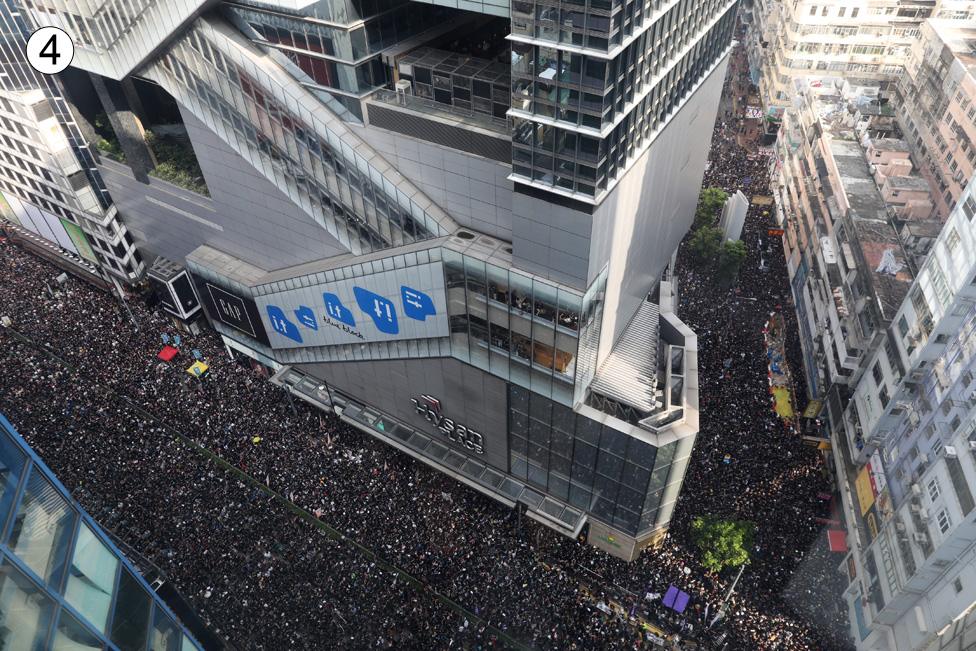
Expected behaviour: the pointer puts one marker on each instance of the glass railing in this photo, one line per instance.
(437, 109)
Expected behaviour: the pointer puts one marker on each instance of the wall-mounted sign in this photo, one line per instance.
(401, 303)
(430, 408)
(237, 312)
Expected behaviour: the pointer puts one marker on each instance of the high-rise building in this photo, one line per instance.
(50, 188)
(836, 39)
(64, 584)
(452, 223)
(909, 506)
(936, 105)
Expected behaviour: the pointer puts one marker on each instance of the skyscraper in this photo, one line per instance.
(451, 223)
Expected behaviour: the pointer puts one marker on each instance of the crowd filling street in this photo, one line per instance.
(89, 393)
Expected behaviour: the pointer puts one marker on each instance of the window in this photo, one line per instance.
(883, 397)
(876, 373)
(854, 12)
(841, 12)
(823, 12)
(952, 241)
(42, 529)
(91, 579)
(945, 523)
(934, 489)
(813, 10)
(25, 611)
(957, 585)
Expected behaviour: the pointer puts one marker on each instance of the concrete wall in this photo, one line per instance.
(469, 396)
(475, 191)
(246, 216)
(640, 224)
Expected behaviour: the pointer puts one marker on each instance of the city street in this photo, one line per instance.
(106, 414)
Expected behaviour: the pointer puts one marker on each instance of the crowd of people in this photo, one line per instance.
(264, 577)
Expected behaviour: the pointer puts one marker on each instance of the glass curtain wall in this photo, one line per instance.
(319, 168)
(513, 325)
(62, 585)
(590, 97)
(620, 480)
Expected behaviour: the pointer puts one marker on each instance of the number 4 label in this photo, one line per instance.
(50, 50)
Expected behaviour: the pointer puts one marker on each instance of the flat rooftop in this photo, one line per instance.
(876, 237)
(916, 183)
(890, 144)
(960, 38)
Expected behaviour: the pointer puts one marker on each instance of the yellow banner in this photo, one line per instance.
(198, 369)
(813, 409)
(862, 485)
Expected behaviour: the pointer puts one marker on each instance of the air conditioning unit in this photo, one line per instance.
(972, 445)
(924, 458)
(915, 507)
(950, 452)
(921, 538)
(900, 526)
(923, 514)
(916, 489)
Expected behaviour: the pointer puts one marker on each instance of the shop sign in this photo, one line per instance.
(430, 408)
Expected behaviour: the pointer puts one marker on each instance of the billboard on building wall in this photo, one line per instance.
(80, 241)
(50, 227)
(231, 309)
(397, 304)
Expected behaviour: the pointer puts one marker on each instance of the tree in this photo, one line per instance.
(723, 543)
(710, 202)
(731, 257)
(706, 244)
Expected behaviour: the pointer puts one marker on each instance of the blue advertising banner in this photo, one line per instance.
(398, 304)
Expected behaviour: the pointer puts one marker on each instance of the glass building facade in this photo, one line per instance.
(591, 82)
(513, 325)
(620, 480)
(63, 584)
(322, 167)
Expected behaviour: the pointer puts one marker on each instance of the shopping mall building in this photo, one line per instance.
(450, 223)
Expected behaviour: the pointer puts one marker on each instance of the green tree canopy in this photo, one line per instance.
(710, 202)
(706, 244)
(730, 258)
(723, 543)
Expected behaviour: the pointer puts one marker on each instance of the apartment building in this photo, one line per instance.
(837, 38)
(936, 107)
(909, 506)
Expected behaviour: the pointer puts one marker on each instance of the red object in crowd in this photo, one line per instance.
(836, 540)
(167, 353)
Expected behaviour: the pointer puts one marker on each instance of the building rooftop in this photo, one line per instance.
(876, 238)
(960, 38)
(916, 183)
(890, 144)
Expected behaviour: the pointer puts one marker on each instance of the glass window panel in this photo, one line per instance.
(91, 578)
(562, 443)
(25, 611)
(611, 465)
(42, 529)
(519, 398)
(130, 622)
(188, 645)
(559, 464)
(519, 466)
(635, 477)
(541, 408)
(558, 485)
(12, 461)
(520, 424)
(563, 418)
(641, 453)
(614, 441)
(71, 635)
(520, 445)
(165, 635)
(579, 495)
(588, 430)
(537, 475)
(583, 474)
(585, 454)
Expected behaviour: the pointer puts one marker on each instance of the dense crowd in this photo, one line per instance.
(266, 578)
